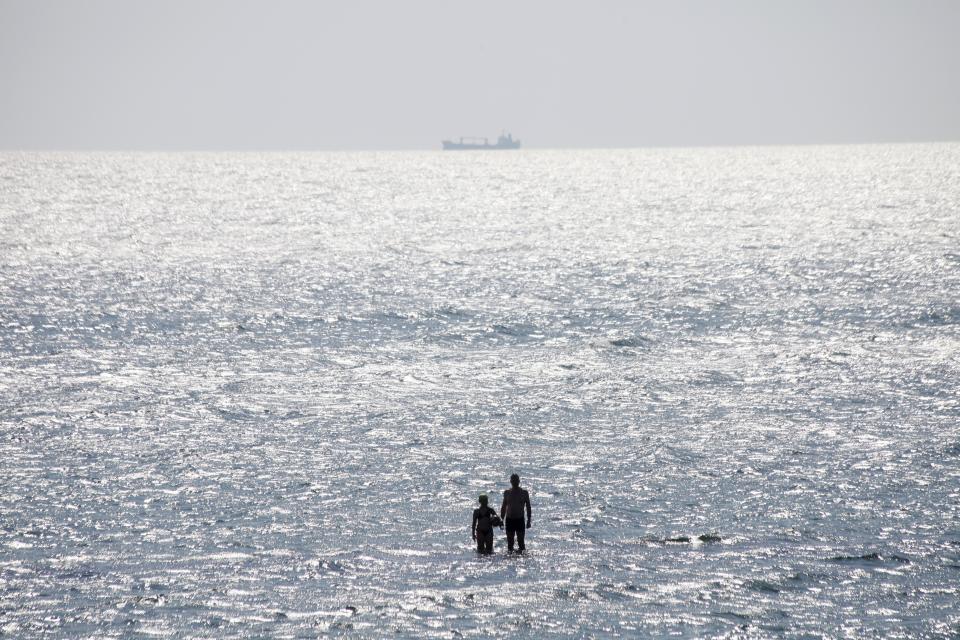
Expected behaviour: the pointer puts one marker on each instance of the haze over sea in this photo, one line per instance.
(258, 394)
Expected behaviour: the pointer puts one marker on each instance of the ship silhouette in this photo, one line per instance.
(505, 141)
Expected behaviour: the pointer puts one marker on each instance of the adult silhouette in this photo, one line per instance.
(516, 504)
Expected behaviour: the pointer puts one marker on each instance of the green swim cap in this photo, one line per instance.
(483, 498)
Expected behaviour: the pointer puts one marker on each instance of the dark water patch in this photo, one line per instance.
(630, 342)
(706, 538)
(763, 586)
(517, 330)
(81, 574)
(153, 600)
(395, 315)
(714, 377)
(565, 593)
(876, 558)
(331, 567)
(937, 317)
(237, 414)
(449, 311)
(952, 449)
(732, 616)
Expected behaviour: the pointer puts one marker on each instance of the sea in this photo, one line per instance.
(257, 395)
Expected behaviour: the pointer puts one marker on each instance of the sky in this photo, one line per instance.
(391, 74)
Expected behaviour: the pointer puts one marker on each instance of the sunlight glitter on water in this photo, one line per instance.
(258, 394)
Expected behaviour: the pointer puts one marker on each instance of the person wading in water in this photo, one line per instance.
(484, 520)
(516, 501)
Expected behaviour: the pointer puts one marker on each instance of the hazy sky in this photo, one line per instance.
(392, 74)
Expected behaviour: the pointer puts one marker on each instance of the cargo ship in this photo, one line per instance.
(505, 141)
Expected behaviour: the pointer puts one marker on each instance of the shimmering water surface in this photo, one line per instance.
(257, 395)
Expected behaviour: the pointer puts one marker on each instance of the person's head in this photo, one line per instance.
(483, 499)
(515, 480)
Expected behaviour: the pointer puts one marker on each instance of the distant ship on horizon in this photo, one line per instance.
(505, 141)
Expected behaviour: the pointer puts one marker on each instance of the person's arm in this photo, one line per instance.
(526, 500)
(473, 526)
(503, 506)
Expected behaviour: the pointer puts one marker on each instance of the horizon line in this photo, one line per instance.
(440, 149)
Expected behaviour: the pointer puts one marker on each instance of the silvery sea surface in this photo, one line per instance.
(257, 395)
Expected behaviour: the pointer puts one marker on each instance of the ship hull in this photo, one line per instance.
(468, 146)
